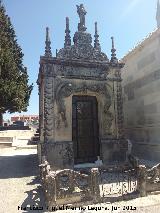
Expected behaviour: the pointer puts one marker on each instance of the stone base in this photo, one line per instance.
(59, 154)
(113, 150)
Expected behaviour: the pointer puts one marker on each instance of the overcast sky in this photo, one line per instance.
(129, 21)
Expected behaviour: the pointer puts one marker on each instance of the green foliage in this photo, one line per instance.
(14, 88)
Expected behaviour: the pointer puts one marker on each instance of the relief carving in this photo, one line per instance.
(66, 88)
(85, 51)
(120, 111)
(48, 109)
(80, 71)
(108, 122)
(67, 153)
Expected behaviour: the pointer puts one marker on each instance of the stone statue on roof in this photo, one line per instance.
(81, 12)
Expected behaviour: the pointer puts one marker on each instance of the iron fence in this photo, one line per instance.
(114, 184)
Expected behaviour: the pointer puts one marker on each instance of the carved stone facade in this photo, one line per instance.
(80, 70)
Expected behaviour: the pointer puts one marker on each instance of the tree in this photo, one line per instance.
(14, 88)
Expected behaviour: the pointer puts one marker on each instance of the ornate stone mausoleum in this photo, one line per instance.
(80, 101)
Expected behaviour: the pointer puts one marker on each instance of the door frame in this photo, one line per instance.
(95, 123)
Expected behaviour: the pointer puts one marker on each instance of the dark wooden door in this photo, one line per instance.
(85, 128)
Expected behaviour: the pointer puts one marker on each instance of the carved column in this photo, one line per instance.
(41, 113)
(120, 131)
(48, 105)
(41, 108)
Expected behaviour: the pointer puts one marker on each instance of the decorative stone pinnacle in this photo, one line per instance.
(113, 51)
(158, 14)
(96, 41)
(67, 36)
(67, 23)
(1, 3)
(81, 12)
(112, 38)
(47, 34)
(48, 52)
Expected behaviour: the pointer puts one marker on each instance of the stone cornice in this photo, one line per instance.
(79, 63)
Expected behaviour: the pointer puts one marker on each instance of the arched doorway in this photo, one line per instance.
(85, 133)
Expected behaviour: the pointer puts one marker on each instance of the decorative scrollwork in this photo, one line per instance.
(64, 183)
(48, 108)
(67, 181)
(153, 174)
(107, 121)
(120, 110)
(67, 154)
(66, 88)
(82, 49)
(82, 181)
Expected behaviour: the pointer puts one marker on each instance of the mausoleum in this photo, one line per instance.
(80, 101)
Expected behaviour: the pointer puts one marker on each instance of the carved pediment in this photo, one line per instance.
(82, 49)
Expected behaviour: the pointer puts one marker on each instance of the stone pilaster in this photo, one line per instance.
(40, 83)
(48, 105)
(41, 108)
(120, 131)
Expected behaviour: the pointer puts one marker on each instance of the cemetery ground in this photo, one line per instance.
(20, 186)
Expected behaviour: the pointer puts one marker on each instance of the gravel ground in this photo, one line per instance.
(19, 186)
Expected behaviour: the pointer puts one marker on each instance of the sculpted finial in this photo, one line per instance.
(81, 12)
(96, 41)
(48, 52)
(67, 36)
(113, 51)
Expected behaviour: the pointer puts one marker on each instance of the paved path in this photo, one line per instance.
(19, 186)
